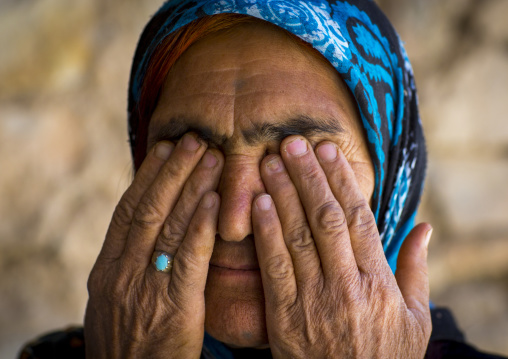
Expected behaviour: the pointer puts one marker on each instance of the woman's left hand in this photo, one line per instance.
(329, 291)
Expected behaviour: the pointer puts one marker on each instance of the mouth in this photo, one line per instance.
(243, 276)
(237, 267)
(234, 256)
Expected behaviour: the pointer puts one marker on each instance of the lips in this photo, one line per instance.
(239, 256)
(236, 266)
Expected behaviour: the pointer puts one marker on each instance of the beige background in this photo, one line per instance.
(64, 158)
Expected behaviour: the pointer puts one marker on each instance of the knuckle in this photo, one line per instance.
(174, 229)
(178, 222)
(299, 236)
(123, 213)
(331, 218)
(175, 169)
(360, 216)
(362, 222)
(147, 214)
(278, 268)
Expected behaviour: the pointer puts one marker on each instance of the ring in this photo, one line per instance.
(162, 261)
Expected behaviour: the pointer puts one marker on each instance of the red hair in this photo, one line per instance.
(169, 51)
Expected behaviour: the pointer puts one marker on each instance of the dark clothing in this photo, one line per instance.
(446, 341)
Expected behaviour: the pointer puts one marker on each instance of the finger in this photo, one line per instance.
(204, 178)
(277, 271)
(365, 241)
(412, 273)
(159, 200)
(114, 243)
(325, 216)
(191, 262)
(295, 228)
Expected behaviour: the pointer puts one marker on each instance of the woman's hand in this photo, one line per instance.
(135, 311)
(329, 291)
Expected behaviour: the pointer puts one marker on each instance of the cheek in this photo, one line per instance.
(358, 156)
(357, 152)
(364, 173)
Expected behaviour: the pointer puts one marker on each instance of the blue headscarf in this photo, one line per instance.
(363, 47)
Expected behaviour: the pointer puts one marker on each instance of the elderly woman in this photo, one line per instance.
(279, 162)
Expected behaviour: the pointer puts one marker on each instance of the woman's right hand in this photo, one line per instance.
(133, 310)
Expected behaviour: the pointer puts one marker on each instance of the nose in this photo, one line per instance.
(240, 183)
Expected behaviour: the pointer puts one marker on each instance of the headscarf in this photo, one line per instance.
(361, 44)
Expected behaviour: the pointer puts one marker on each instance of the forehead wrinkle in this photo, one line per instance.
(196, 73)
(204, 93)
(282, 73)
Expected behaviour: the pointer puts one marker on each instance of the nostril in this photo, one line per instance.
(232, 235)
(234, 226)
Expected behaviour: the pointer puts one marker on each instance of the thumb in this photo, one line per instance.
(412, 274)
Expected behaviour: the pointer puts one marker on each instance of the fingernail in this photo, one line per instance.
(163, 150)
(427, 237)
(264, 202)
(209, 160)
(190, 143)
(327, 152)
(297, 147)
(208, 200)
(274, 165)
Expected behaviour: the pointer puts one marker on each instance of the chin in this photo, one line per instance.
(235, 308)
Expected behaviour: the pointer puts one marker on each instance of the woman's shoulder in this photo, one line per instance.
(446, 342)
(67, 343)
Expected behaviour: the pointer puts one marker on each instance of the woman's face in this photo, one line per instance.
(245, 90)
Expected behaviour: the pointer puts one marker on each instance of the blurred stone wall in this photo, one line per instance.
(459, 52)
(65, 159)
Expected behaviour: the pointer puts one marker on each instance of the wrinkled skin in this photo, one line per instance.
(274, 240)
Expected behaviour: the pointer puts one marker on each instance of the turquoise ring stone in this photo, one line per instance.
(162, 261)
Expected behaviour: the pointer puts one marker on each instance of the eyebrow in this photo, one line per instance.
(303, 125)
